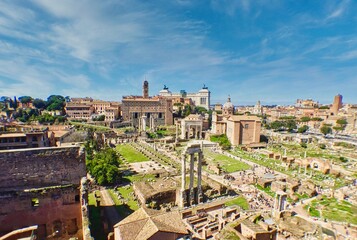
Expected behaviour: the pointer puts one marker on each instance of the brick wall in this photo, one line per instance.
(41, 167)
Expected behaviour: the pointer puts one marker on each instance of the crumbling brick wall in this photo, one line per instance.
(41, 167)
(42, 187)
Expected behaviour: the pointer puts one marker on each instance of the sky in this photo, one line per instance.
(275, 51)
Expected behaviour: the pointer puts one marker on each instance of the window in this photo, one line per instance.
(76, 198)
(203, 100)
(160, 115)
(35, 202)
(246, 125)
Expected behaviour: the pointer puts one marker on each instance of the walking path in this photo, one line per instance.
(108, 204)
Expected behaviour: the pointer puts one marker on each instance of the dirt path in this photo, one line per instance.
(110, 212)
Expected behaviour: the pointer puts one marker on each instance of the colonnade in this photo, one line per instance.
(188, 197)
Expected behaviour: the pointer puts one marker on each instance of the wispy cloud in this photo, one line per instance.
(106, 48)
(338, 10)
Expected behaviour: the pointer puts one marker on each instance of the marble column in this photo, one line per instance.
(183, 130)
(192, 178)
(183, 197)
(199, 178)
(144, 123)
(152, 121)
(176, 139)
(139, 123)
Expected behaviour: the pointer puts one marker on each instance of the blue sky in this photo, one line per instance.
(268, 50)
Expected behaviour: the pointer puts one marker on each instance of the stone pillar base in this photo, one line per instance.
(199, 196)
(192, 196)
(183, 199)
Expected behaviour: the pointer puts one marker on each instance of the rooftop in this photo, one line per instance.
(144, 223)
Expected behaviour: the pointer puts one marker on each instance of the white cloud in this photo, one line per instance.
(339, 10)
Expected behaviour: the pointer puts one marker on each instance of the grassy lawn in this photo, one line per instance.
(138, 177)
(86, 125)
(263, 161)
(130, 154)
(297, 151)
(239, 201)
(96, 226)
(274, 164)
(227, 164)
(332, 209)
(313, 211)
(127, 204)
(267, 190)
(124, 209)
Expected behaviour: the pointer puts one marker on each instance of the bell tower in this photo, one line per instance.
(146, 89)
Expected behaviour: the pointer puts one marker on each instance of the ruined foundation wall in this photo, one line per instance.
(53, 209)
(41, 167)
(42, 187)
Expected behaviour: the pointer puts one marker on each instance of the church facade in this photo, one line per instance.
(239, 129)
(145, 111)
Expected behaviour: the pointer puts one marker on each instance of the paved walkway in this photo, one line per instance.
(110, 212)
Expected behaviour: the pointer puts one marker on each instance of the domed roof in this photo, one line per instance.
(228, 104)
(204, 89)
(165, 90)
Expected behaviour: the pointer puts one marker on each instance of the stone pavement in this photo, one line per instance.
(108, 205)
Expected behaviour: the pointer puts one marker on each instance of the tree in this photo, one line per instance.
(276, 125)
(187, 110)
(322, 146)
(55, 102)
(290, 125)
(5, 101)
(200, 110)
(303, 145)
(25, 99)
(316, 119)
(341, 124)
(303, 129)
(99, 118)
(305, 119)
(222, 141)
(326, 130)
(104, 166)
(39, 103)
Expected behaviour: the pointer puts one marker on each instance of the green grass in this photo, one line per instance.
(332, 209)
(264, 161)
(227, 164)
(267, 190)
(296, 150)
(228, 235)
(96, 226)
(86, 125)
(125, 191)
(313, 211)
(130, 154)
(138, 177)
(274, 164)
(239, 201)
(302, 196)
(123, 209)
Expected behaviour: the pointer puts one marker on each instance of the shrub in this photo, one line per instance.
(322, 146)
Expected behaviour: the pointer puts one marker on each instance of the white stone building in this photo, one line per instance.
(200, 99)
